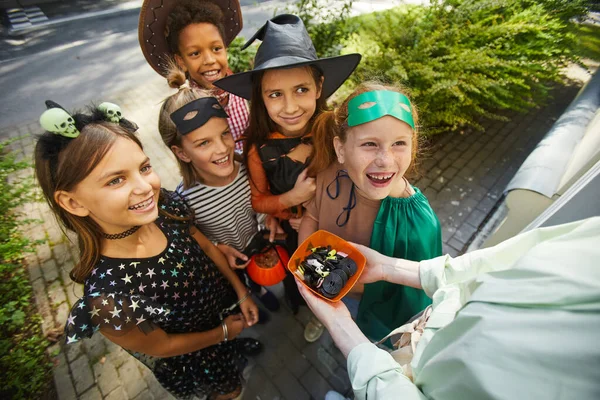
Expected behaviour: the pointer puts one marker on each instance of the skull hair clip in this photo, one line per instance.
(59, 122)
(111, 111)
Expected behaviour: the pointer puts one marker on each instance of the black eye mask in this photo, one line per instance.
(206, 108)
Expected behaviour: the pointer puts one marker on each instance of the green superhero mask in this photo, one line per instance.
(369, 106)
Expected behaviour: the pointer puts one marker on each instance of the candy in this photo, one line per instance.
(350, 264)
(342, 275)
(326, 270)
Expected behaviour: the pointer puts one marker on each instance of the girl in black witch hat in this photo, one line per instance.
(288, 88)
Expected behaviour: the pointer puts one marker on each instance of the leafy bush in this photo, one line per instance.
(463, 59)
(564, 9)
(24, 368)
(588, 44)
(240, 60)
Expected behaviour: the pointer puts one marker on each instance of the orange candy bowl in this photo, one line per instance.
(324, 238)
(267, 268)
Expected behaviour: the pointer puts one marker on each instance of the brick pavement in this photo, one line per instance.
(462, 175)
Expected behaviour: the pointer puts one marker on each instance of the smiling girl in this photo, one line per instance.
(153, 284)
(363, 151)
(196, 36)
(214, 184)
(288, 88)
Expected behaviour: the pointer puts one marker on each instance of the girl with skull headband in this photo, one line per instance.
(153, 284)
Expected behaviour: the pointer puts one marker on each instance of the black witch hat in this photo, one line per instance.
(286, 44)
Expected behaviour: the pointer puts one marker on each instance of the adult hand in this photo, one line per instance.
(295, 223)
(373, 271)
(273, 226)
(324, 310)
(304, 188)
(231, 255)
(250, 311)
(389, 269)
(235, 325)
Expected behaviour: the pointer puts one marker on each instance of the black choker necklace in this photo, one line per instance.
(128, 232)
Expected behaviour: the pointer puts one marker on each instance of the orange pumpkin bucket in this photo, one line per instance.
(324, 239)
(268, 268)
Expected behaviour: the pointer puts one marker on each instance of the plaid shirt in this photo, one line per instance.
(237, 109)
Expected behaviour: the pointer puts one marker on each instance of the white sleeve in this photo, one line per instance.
(445, 270)
(375, 375)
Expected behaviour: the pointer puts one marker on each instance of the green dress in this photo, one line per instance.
(404, 228)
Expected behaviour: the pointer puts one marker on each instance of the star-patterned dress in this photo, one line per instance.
(179, 290)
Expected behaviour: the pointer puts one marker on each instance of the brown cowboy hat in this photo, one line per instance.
(153, 20)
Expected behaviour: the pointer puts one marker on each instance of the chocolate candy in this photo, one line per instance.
(310, 280)
(332, 284)
(326, 270)
(345, 268)
(350, 264)
(342, 275)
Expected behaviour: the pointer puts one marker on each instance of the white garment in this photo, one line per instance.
(520, 320)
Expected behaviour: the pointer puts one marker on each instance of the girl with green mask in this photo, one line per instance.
(363, 152)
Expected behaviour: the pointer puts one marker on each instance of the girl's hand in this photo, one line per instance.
(235, 325)
(324, 310)
(231, 255)
(273, 226)
(373, 271)
(295, 223)
(304, 188)
(250, 311)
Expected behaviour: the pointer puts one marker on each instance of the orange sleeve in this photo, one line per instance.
(262, 199)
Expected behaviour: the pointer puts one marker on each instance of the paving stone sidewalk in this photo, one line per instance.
(462, 175)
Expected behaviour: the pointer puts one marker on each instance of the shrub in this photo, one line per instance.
(463, 59)
(240, 60)
(564, 10)
(588, 44)
(24, 368)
